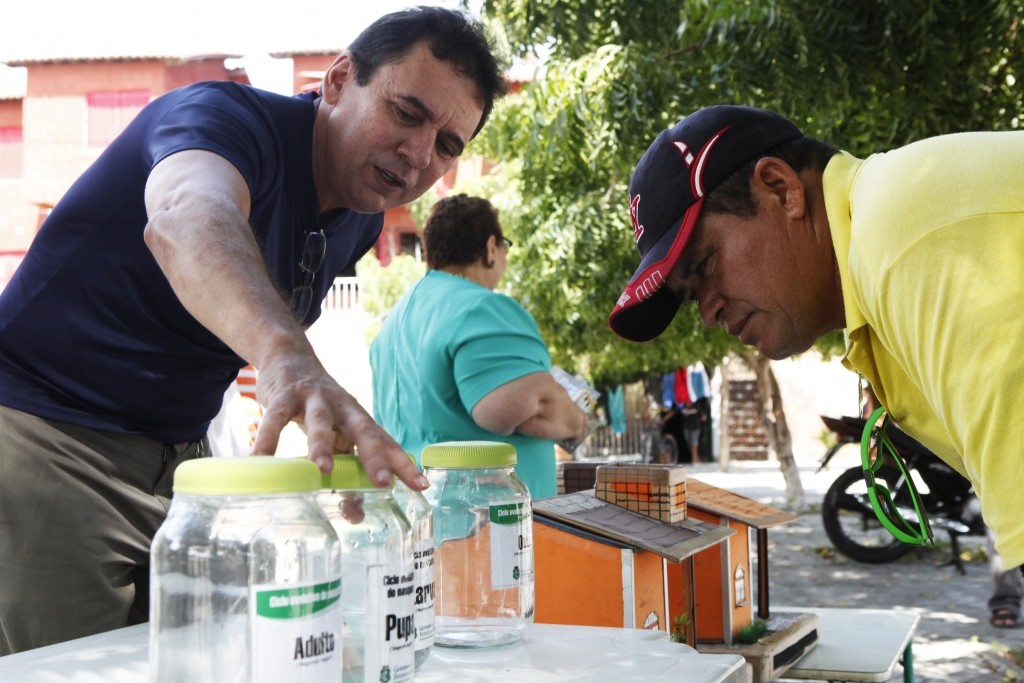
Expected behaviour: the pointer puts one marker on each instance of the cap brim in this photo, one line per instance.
(647, 307)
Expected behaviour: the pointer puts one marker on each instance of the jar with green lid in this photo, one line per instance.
(483, 537)
(245, 576)
(420, 515)
(378, 592)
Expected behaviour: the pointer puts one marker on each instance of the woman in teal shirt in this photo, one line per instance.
(457, 361)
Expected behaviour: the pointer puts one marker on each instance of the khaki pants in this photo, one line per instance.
(78, 510)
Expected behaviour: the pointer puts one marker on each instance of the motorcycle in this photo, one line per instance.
(847, 515)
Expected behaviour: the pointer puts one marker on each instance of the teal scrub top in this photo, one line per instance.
(448, 343)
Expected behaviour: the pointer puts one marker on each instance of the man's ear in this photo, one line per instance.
(776, 181)
(337, 76)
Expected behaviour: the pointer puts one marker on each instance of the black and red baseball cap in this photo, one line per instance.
(666, 195)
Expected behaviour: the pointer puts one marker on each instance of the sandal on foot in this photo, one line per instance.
(1003, 618)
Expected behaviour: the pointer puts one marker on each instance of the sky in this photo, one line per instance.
(41, 28)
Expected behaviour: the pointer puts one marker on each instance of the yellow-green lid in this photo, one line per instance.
(469, 455)
(348, 473)
(246, 476)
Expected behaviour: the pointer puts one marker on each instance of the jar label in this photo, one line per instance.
(296, 632)
(389, 649)
(511, 544)
(423, 556)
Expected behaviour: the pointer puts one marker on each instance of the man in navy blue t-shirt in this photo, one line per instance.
(203, 240)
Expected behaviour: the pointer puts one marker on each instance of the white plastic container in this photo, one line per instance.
(378, 591)
(483, 534)
(245, 576)
(420, 515)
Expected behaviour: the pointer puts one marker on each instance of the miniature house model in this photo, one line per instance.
(724, 583)
(649, 548)
(724, 578)
(622, 554)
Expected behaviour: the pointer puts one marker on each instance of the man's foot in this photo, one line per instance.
(1003, 618)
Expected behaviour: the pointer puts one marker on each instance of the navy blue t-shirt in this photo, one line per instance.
(91, 332)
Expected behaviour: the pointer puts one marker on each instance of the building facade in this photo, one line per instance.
(71, 108)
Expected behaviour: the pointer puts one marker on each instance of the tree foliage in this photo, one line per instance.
(867, 75)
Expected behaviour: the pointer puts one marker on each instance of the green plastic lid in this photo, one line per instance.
(469, 455)
(246, 476)
(348, 473)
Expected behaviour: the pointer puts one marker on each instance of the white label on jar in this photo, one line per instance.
(511, 544)
(423, 556)
(296, 632)
(389, 649)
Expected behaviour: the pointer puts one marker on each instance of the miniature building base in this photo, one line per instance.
(656, 491)
(790, 636)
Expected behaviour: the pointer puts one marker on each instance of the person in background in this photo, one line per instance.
(692, 419)
(456, 361)
(916, 252)
(1007, 588)
(201, 240)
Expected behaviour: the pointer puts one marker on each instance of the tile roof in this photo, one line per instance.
(39, 31)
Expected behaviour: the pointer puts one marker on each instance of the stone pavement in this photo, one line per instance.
(954, 640)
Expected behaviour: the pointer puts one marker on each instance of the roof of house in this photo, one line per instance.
(40, 31)
(59, 31)
(724, 503)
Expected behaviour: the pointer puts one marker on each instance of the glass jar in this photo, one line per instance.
(417, 510)
(483, 535)
(245, 576)
(378, 592)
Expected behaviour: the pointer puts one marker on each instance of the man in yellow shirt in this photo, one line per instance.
(918, 253)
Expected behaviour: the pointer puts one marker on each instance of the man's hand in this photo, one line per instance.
(295, 387)
(198, 231)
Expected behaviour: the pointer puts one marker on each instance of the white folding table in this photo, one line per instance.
(857, 645)
(549, 654)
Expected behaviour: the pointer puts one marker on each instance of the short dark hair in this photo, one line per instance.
(733, 197)
(453, 37)
(457, 231)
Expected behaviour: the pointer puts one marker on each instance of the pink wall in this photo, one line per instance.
(54, 116)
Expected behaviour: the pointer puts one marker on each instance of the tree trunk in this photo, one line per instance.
(724, 416)
(773, 416)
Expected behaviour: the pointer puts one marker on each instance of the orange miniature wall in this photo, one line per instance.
(579, 581)
(713, 580)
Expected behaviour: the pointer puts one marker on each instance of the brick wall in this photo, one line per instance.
(747, 438)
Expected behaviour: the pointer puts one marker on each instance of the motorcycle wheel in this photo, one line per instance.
(850, 521)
